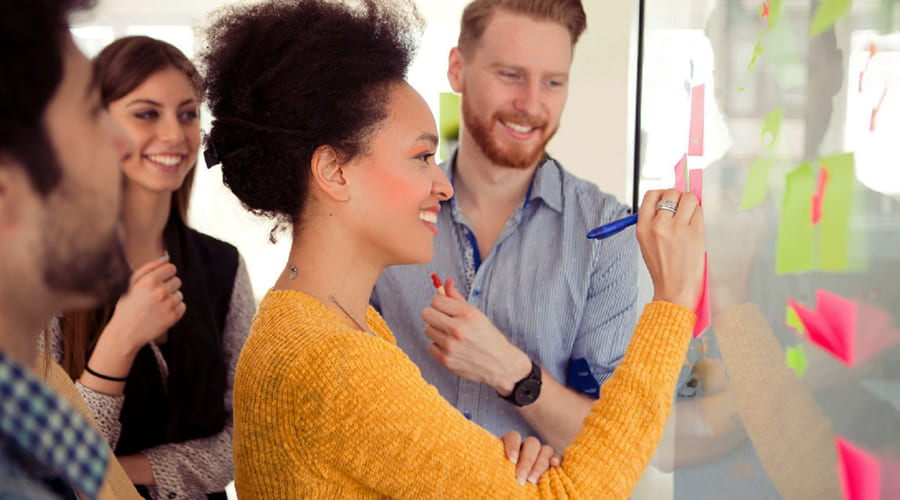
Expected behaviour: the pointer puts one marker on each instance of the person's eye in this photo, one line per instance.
(509, 75)
(150, 114)
(554, 84)
(189, 116)
(425, 157)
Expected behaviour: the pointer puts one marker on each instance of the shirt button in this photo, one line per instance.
(467, 415)
(476, 293)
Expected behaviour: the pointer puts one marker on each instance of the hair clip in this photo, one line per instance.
(211, 154)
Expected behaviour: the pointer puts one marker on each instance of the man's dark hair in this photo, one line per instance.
(31, 57)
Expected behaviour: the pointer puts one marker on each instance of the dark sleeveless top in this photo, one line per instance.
(191, 403)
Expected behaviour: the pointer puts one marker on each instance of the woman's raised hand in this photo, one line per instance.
(670, 231)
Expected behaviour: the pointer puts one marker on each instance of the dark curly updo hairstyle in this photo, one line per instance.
(286, 77)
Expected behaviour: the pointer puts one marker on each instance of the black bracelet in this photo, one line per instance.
(104, 377)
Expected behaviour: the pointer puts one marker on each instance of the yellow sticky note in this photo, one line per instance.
(756, 185)
(796, 233)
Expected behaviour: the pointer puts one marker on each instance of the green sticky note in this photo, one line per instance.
(758, 50)
(796, 234)
(793, 321)
(836, 209)
(772, 127)
(774, 13)
(828, 12)
(795, 359)
(448, 110)
(756, 185)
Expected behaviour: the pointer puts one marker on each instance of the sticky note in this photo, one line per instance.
(795, 358)
(756, 185)
(764, 10)
(758, 50)
(852, 331)
(702, 310)
(859, 471)
(819, 195)
(831, 325)
(449, 120)
(792, 320)
(837, 201)
(875, 332)
(774, 13)
(828, 12)
(796, 234)
(681, 175)
(695, 179)
(772, 127)
(695, 139)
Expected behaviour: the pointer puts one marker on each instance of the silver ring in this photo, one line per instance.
(667, 205)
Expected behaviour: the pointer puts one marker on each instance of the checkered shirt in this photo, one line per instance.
(45, 441)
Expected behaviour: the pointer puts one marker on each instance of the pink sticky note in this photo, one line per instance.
(819, 195)
(852, 331)
(681, 174)
(702, 309)
(831, 326)
(859, 471)
(696, 182)
(695, 139)
(874, 332)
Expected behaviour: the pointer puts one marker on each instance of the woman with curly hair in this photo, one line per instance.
(316, 127)
(156, 367)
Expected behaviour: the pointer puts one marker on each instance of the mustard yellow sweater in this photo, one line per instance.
(325, 411)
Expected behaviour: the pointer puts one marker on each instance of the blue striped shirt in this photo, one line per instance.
(567, 301)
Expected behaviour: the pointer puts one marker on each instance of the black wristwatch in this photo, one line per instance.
(527, 390)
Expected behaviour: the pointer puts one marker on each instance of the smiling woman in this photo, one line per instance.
(156, 365)
(316, 126)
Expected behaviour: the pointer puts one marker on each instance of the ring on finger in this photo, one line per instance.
(669, 205)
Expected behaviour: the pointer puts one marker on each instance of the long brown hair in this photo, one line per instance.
(120, 68)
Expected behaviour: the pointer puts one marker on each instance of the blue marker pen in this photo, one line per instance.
(607, 230)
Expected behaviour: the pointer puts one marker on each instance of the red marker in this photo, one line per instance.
(437, 284)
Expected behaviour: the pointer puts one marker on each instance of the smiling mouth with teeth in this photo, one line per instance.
(522, 129)
(428, 217)
(167, 160)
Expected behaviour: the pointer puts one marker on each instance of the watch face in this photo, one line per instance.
(527, 391)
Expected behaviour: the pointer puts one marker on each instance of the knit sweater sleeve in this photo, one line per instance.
(792, 437)
(372, 417)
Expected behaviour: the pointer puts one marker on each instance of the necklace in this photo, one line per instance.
(358, 325)
(334, 300)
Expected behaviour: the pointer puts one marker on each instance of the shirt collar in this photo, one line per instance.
(47, 429)
(546, 184)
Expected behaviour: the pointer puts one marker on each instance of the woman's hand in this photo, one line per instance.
(153, 304)
(530, 457)
(673, 245)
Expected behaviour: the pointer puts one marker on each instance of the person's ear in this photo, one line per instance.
(328, 173)
(455, 66)
(13, 182)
